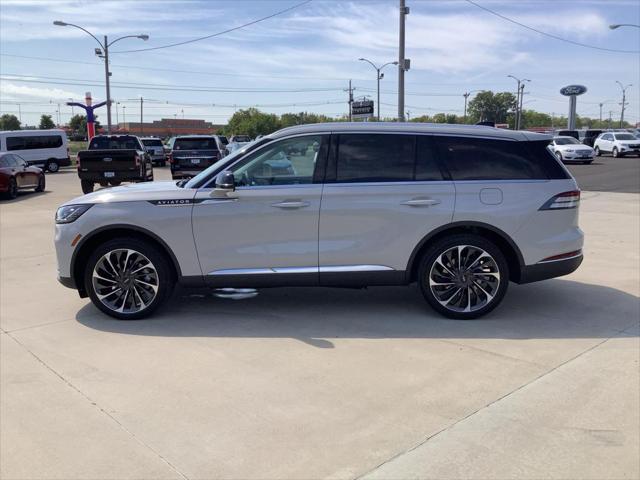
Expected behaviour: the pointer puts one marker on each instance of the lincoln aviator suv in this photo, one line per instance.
(459, 210)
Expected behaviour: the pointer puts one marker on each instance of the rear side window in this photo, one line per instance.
(488, 159)
(4, 161)
(34, 143)
(375, 158)
(427, 167)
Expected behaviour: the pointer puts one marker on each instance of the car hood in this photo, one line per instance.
(136, 192)
(573, 147)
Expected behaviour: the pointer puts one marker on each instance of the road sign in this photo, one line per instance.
(362, 109)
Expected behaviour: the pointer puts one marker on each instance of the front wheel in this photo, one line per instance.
(463, 276)
(41, 184)
(597, 150)
(87, 186)
(615, 153)
(115, 183)
(128, 278)
(559, 155)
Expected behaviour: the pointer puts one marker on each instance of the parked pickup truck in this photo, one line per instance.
(192, 154)
(112, 159)
(156, 150)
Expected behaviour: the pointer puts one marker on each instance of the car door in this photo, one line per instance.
(28, 176)
(606, 144)
(267, 229)
(383, 194)
(12, 169)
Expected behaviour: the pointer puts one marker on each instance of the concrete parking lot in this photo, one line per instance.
(326, 383)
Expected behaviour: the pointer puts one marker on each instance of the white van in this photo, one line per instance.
(46, 149)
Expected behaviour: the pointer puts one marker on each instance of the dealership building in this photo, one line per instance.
(168, 127)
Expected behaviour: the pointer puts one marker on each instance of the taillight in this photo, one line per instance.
(563, 201)
(137, 157)
(78, 160)
(170, 157)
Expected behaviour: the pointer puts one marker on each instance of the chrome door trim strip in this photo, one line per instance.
(326, 269)
(354, 268)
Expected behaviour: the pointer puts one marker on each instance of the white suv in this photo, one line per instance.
(461, 210)
(618, 144)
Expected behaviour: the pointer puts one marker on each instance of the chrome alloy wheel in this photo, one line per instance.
(125, 281)
(464, 278)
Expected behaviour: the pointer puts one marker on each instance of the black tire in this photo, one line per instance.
(559, 155)
(614, 152)
(163, 163)
(587, 162)
(41, 184)
(115, 183)
(597, 151)
(496, 286)
(87, 186)
(163, 276)
(52, 166)
(12, 191)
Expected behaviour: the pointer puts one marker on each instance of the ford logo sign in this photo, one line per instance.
(570, 90)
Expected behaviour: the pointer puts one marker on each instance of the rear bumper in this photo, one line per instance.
(184, 173)
(546, 270)
(119, 176)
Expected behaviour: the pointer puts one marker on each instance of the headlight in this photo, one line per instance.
(70, 213)
(569, 150)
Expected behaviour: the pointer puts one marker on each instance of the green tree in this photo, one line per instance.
(78, 124)
(9, 122)
(46, 122)
(493, 107)
(251, 122)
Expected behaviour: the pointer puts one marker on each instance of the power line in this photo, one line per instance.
(298, 5)
(550, 35)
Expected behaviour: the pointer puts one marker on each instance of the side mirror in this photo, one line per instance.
(226, 181)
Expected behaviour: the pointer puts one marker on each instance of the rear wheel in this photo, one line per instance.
(52, 166)
(41, 184)
(87, 186)
(128, 278)
(115, 183)
(463, 276)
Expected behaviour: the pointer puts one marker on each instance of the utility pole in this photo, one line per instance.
(124, 115)
(58, 112)
(624, 102)
(403, 64)
(107, 74)
(141, 127)
(117, 119)
(19, 113)
(350, 101)
(610, 113)
(601, 111)
(466, 97)
(519, 92)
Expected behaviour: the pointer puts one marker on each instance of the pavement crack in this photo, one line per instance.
(96, 405)
(499, 399)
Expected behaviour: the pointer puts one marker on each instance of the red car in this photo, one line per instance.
(16, 174)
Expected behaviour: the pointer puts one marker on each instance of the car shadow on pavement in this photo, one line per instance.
(553, 309)
(23, 196)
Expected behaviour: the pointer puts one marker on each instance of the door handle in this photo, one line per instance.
(421, 202)
(291, 204)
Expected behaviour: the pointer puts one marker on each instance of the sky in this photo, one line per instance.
(303, 59)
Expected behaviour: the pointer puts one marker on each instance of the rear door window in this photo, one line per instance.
(489, 159)
(152, 143)
(375, 158)
(427, 167)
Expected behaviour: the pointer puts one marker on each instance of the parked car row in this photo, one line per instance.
(16, 174)
(47, 149)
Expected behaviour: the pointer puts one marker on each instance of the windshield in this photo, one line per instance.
(228, 159)
(152, 143)
(204, 143)
(565, 141)
(624, 136)
(114, 143)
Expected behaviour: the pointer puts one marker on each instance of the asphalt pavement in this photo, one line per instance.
(325, 383)
(608, 174)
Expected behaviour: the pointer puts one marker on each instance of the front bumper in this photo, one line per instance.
(546, 270)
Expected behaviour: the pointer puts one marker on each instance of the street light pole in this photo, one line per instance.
(624, 100)
(519, 93)
(402, 62)
(379, 76)
(103, 52)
